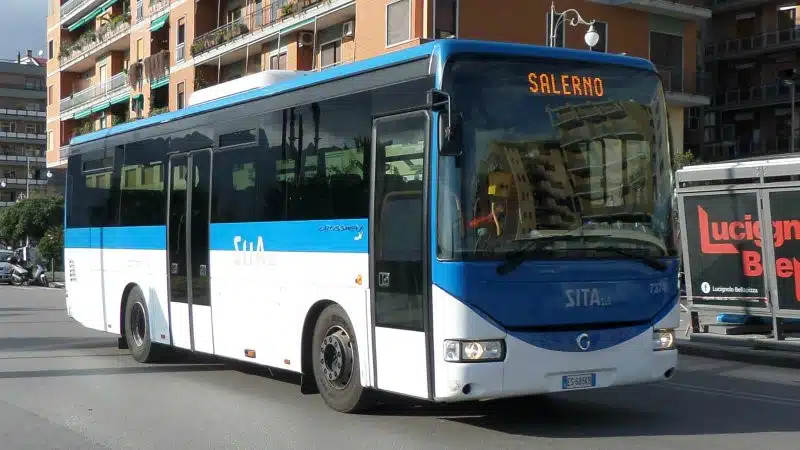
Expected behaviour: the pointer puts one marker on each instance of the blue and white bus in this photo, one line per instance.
(460, 220)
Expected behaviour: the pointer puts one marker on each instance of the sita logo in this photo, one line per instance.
(586, 297)
(249, 252)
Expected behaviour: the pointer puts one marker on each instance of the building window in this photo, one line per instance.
(181, 94)
(446, 19)
(277, 62)
(398, 22)
(49, 140)
(50, 95)
(331, 53)
(50, 50)
(602, 30)
(559, 32)
(30, 128)
(666, 52)
(180, 46)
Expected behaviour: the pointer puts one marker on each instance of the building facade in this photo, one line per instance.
(22, 129)
(748, 45)
(118, 60)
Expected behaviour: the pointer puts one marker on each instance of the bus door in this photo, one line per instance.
(188, 243)
(399, 264)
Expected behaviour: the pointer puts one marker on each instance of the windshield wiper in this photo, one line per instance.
(651, 261)
(516, 258)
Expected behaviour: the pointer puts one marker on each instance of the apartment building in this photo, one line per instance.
(22, 128)
(748, 44)
(117, 60)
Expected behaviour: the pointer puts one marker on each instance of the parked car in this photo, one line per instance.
(5, 267)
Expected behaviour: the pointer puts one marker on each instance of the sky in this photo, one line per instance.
(23, 26)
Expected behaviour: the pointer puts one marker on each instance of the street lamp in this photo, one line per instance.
(591, 37)
(790, 79)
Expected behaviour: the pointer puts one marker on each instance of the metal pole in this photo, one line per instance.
(550, 42)
(791, 127)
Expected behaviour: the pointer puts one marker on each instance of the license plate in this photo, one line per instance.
(583, 380)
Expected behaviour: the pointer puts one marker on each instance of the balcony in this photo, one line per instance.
(718, 6)
(73, 10)
(264, 24)
(95, 96)
(747, 47)
(680, 9)
(20, 182)
(159, 6)
(681, 91)
(754, 97)
(108, 37)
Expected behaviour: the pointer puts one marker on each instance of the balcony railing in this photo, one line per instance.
(92, 40)
(14, 135)
(754, 96)
(21, 159)
(674, 81)
(755, 43)
(115, 83)
(21, 181)
(22, 113)
(157, 6)
(72, 5)
(63, 152)
(276, 12)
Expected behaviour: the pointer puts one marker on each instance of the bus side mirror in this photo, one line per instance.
(451, 137)
(449, 123)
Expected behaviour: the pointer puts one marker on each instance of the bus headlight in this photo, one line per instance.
(474, 351)
(663, 339)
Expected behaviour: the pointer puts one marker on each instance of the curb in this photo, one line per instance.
(762, 357)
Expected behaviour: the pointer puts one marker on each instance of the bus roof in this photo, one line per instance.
(442, 48)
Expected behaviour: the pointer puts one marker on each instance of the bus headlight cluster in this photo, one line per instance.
(474, 351)
(664, 339)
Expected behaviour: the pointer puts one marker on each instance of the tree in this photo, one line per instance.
(682, 159)
(51, 246)
(31, 217)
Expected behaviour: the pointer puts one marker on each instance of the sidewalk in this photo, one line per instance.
(750, 349)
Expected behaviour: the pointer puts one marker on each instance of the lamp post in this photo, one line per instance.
(591, 37)
(790, 79)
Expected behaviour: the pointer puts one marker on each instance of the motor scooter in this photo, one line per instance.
(22, 276)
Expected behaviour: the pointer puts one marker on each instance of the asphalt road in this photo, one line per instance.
(65, 387)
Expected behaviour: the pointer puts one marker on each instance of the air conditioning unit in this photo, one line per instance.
(305, 39)
(348, 28)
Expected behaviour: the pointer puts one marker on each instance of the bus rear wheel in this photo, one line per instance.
(137, 328)
(336, 361)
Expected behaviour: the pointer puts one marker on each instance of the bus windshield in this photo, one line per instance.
(552, 148)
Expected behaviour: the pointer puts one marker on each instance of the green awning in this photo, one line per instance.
(157, 24)
(137, 97)
(120, 99)
(95, 12)
(85, 113)
(100, 107)
(163, 81)
(297, 25)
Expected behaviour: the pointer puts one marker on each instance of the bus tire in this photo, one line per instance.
(137, 328)
(336, 361)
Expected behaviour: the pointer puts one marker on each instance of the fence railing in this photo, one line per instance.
(754, 43)
(115, 83)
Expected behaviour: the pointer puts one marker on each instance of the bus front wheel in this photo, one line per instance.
(336, 361)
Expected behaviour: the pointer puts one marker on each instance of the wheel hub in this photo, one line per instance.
(138, 324)
(336, 357)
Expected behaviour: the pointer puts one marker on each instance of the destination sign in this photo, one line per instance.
(565, 84)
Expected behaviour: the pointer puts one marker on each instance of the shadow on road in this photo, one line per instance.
(111, 371)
